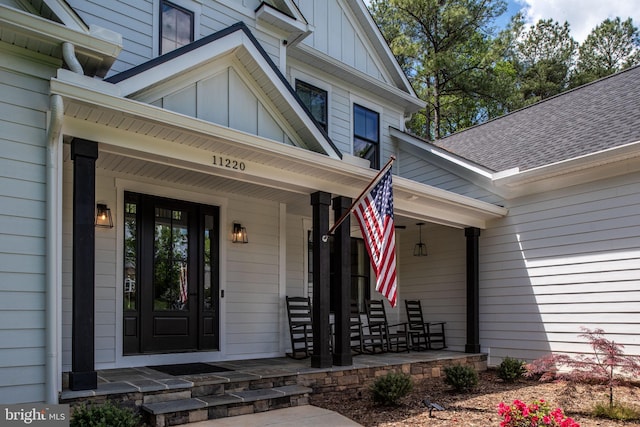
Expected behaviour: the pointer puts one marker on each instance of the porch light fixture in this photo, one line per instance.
(421, 248)
(239, 233)
(103, 216)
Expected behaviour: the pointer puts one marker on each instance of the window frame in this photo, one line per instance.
(192, 6)
(300, 82)
(375, 164)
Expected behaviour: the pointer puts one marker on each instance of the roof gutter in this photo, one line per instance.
(603, 164)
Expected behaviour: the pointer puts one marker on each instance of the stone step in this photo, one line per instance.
(177, 412)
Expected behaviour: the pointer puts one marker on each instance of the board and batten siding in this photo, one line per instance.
(562, 260)
(437, 280)
(237, 105)
(336, 34)
(23, 120)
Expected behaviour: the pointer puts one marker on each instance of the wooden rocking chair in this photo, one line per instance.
(423, 334)
(300, 327)
(396, 336)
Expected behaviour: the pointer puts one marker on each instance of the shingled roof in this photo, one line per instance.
(588, 119)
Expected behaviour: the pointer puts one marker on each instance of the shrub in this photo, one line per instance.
(104, 415)
(537, 413)
(511, 369)
(461, 378)
(606, 365)
(388, 390)
(617, 411)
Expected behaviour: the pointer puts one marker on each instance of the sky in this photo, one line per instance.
(582, 15)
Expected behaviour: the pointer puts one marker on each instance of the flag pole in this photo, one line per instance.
(348, 212)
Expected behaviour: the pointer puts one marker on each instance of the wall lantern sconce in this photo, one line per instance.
(239, 233)
(103, 216)
(421, 248)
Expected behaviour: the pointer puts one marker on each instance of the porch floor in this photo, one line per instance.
(146, 379)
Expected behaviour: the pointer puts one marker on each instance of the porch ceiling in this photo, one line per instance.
(144, 141)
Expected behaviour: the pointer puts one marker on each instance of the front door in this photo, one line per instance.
(171, 275)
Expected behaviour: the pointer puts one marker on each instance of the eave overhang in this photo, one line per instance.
(96, 49)
(407, 100)
(513, 183)
(603, 164)
(125, 127)
(236, 40)
(295, 30)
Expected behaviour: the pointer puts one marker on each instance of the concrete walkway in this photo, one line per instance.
(306, 415)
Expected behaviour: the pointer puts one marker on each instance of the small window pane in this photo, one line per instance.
(315, 99)
(209, 236)
(366, 138)
(130, 256)
(171, 256)
(176, 28)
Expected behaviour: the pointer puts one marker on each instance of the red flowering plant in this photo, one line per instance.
(535, 414)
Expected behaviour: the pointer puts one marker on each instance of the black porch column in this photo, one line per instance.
(83, 375)
(341, 283)
(321, 357)
(473, 284)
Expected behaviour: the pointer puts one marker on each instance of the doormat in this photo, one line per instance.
(189, 369)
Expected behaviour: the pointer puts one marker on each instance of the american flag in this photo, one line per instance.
(375, 215)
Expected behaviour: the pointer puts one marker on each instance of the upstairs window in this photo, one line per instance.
(315, 99)
(176, 26)
(366, 135)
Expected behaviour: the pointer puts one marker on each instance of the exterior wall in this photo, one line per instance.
(23, 120)
(417, 169)
(137, 21)
(560, 261)
(337, 35)
(251, 310)
(342, 96)
(437, 280)
(237, 104)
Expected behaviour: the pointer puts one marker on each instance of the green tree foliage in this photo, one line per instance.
(543, 55)
(467, 75)
(610, 47)
(446, 50)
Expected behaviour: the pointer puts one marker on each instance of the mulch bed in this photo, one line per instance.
(479, 407)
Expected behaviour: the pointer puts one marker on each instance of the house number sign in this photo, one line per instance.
(225, 162)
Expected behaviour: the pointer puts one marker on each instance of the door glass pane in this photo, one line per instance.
(130, 255)
(171, 255)
(209, 235)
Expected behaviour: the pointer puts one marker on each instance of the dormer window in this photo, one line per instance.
(176, 26)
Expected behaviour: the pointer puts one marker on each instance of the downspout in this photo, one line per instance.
(52, 273)
(69, 56)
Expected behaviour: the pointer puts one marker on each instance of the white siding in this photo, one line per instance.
(252, 290)
(251, 324)
(236, 105)
(23, 106)
(416, 169)
(560, 261)
(437, 280)
(296, 250)
(336, 34)
(135, 21)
